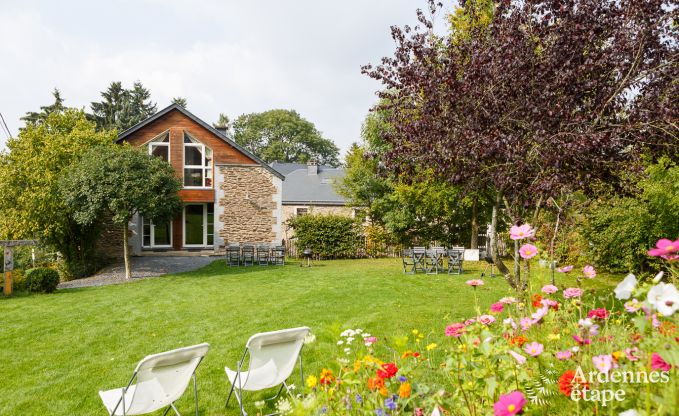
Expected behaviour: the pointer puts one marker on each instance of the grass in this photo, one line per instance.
(57, 351)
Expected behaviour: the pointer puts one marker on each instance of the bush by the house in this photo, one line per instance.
(328, 236)
(41, 279)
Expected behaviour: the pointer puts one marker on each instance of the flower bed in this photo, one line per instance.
(557, 351)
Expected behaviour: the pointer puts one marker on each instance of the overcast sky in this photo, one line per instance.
(233, 57)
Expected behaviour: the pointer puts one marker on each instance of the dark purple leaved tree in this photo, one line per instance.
(548, 98)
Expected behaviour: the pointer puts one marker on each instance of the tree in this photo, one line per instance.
(122, 108)
(30, 204)
(550, 97)
(180, 101)
(120, 182)
(35, 118)
(284, 136)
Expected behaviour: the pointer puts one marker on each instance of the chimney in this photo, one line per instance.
(222, 130)
(312, 167)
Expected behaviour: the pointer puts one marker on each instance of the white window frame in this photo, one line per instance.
(203, 150)
(153, 142)
(205, 225)
(152, 230)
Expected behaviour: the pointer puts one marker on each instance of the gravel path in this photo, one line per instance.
(142, 267)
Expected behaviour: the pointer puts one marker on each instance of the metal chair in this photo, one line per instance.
(233, 255)
(263, 254)
(161, 380)
(248, 255)
(273, 356)
(278, 255)
(433, 260)
(419, 253)
(455, 259)
(408, 261)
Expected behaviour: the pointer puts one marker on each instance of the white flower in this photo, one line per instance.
(343, 361)
(585, 323)
(284, 406)
(656, 279)
(347, 350)
(626, 287)
(664, 298)
(292, 386)
(309, 338)
(359, 330)
(366, 335)
(260, 404)
(630, 412)
(340, 342)
(349, 339)
(575, 349)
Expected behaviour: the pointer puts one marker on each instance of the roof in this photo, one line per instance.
(303, 189)
(211, 129)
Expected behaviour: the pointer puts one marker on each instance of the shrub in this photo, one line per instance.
(621, 229)
(328, 236)
(41, 279)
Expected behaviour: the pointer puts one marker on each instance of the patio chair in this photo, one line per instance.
(161, 379)
(418, 257)
(455, 259)
(233, 255)
(408, 261)
(263, 254)
(273, 356)
(278, 255)
(433, 260)
(248, 255)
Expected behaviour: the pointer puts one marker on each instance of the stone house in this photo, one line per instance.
(310, 188)
(229, 194)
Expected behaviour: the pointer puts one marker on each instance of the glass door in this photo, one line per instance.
(198, 225)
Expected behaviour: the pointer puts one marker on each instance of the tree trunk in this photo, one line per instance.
(126, 253)
(474, 244)
(493, 242)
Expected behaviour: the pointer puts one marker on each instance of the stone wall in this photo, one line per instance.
(248, 205)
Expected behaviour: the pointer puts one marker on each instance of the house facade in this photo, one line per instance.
(229, 195)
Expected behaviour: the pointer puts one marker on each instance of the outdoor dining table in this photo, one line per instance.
(433, 260)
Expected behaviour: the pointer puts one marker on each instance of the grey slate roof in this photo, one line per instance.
(300, 188)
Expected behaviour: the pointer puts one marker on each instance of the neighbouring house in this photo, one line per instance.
(309, 188)
(229, 194)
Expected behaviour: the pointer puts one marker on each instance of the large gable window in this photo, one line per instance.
(160, 147)
(197, 164)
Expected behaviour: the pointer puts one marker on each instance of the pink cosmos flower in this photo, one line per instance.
(519, 232)
(510, 321)
(508, 300)
(667, 249)
(589, 272)
(572, 292)
(475, 282)
(581, 341)
(469, 321)
(598, 313)
(657, 363)
(486, 319)
(455, 330)
(534, 348)
(630, 353)
(549, 289)
(563, 355)
(603, 362)
(509, 404)
(528, 251)
(518, 357)
(369, 341)
(539, 314)
(564, 269)
(497, 307)
(632, 306)
(549, 303)
(525, 323)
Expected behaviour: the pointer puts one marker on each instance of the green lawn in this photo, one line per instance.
(57, 351)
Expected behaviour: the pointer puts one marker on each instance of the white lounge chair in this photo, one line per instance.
(273, 356)
(161, 379)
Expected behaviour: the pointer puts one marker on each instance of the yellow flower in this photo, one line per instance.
(383, 391)
(616, 355)
(553, 337)
(415, 332)
(404, 390)
(311, 382)
(357, 365)
(431, 346)
(462, 347)
(368, 359)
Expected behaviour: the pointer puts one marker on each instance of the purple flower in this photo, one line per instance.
(402, 379)
(390, 403)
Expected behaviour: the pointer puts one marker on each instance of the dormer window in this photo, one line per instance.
(197, 164)
(160, 147)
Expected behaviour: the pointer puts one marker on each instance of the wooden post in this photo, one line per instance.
(8, 266)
